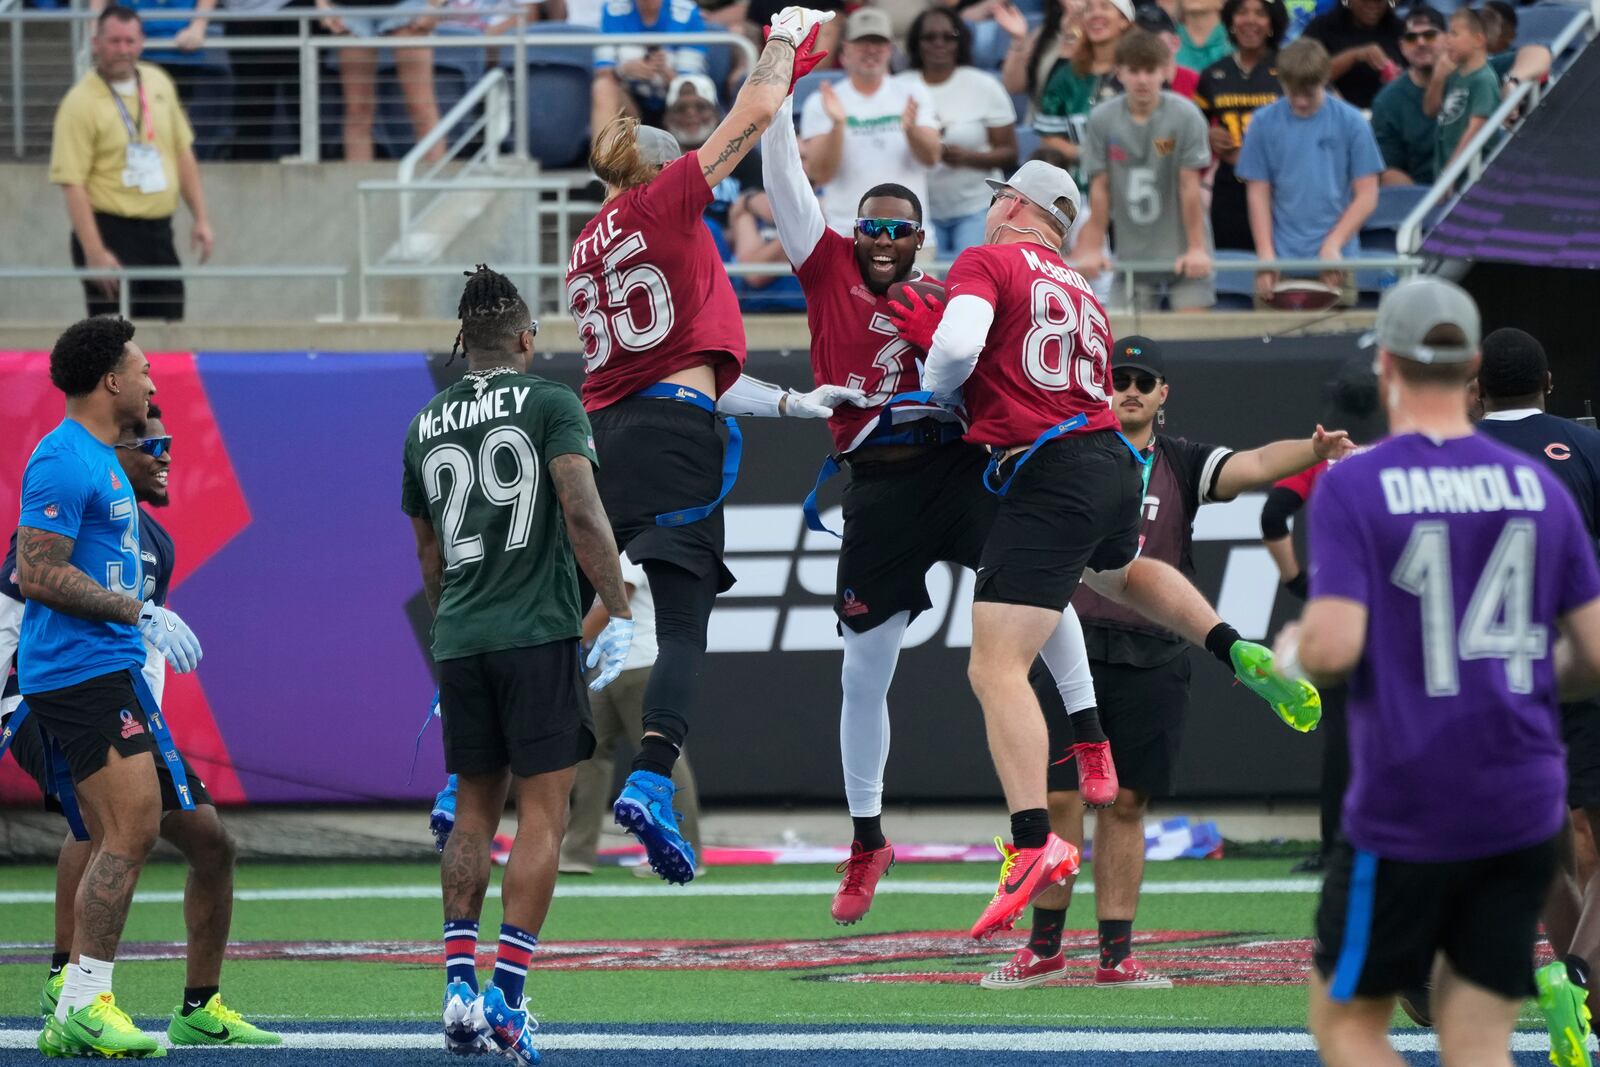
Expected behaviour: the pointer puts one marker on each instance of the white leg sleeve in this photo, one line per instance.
(869, 662)
(1068, 659)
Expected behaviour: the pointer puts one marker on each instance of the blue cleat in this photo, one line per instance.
(645, 810)
(443, 817)
(511, 1029)
(465, 1031)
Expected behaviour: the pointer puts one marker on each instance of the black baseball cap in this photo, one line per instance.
(1138, 353)
(1153, 18)
(1431, 15)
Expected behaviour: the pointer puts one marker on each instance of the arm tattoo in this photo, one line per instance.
(589, 530)
(776, 66)
(46, 574)
(734, 146)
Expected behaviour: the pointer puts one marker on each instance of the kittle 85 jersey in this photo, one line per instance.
(648, 290)
(1047, 356)
(476, 466)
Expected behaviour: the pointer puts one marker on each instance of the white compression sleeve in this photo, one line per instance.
(1068, 659)
(795, 210)
(869, 662)
(957, 343)
(751, 396)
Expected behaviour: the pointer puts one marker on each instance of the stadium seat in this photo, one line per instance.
(810, 84)
(989, 44)
(455, 71)
(719, 65)
(1543, 23)
(1395, 203)
(1027, 142)
(558, 94)
(561, 55)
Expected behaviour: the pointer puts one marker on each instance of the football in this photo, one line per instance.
(1303, 294)
(926, 287)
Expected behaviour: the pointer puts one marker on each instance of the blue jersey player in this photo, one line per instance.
(202, 1019)
(81, 653)
(1444, 568)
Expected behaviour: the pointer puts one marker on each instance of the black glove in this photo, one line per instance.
(1297, 585)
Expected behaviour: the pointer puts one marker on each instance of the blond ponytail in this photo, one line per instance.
(615, 157)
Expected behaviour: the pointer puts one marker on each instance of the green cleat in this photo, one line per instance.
(1297, 702)
(51, 993)
(217, 1024)
(1566, 1016)
(100, 1031)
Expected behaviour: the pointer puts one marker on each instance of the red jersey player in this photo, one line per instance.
(1025, 343)
(663, 348)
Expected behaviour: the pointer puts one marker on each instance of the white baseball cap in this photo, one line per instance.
(1042, 184)
(702, 86)
(1124, 6)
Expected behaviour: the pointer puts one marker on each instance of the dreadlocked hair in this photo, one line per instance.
(491, 311)
(615, 157)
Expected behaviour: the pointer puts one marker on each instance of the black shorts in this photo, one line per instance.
(1073, 505)
(526, 708)
(27, 748)
(658, 456)
(1380, 922)
(1580, 732)
(1141, 711)
(901, 518)
(91, 718)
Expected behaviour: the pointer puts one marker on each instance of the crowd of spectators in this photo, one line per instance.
(1260, 128)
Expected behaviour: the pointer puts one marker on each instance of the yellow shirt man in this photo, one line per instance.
(92, 143)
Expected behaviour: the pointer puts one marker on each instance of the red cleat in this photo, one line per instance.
(1025, 970)
(1024, 875)
(1097, 775)
(1129, 975)
(861, 873)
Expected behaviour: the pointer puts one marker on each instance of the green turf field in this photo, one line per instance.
(777, 957)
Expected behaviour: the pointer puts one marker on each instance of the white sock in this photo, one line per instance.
(85, 980)
(869, 662)
(1068, 659)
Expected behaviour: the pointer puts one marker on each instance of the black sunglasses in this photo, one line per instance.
(1121, 379)
(940, 38)
(154, 447)
(1413, 36)
(895, 228)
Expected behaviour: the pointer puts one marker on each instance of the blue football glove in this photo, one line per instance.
(610, 652)
(442, 819)
(170, 636)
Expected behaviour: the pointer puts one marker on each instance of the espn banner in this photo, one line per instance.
(296, 568)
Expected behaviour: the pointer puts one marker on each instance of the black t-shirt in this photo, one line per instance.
(1337, 31)
(1229, 96)
(1183, 476)
(1571, 451)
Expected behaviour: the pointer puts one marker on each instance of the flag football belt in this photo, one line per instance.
(920, 432)
(1060, 429)
(60, 778)
(730, 457)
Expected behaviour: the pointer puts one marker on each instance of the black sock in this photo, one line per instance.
(657, 755)
(1116, 941)
(1086, 727)
(58, 963)
(1046, 938)
(1577, 969)
(1030, 827)
(869, 832)
(197, 997)
(1220, 642)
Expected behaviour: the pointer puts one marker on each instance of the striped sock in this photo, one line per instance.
(461, 952)
(511, 964)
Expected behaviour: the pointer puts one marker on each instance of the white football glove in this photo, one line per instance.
(820, 402)
(170, 636)
(610, 652)
(794, 24)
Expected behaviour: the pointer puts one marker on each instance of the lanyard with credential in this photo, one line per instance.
(136, 130)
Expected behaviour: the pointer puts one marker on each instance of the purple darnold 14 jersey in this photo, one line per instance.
(1464, 553)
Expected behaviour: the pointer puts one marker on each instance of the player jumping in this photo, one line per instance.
(663, 349)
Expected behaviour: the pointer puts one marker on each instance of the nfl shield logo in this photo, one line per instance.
(51, 511)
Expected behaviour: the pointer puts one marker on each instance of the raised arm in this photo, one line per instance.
(794, 29)
(45, 573)
(1261, 467)
(590, 531)
(795, 210)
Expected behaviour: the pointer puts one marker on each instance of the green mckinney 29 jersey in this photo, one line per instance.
(476, 466)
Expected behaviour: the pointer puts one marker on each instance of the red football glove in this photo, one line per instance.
(917, 323)
(805, 60)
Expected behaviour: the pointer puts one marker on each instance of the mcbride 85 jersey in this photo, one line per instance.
(1047, 355)
(648, 290)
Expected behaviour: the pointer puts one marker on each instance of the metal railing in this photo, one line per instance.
(336, 275)
(311, 48)
(486, 132)
(1493, 136)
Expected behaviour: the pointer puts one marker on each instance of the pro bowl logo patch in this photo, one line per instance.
(131, 726)
(116, 483)
(51, 511)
